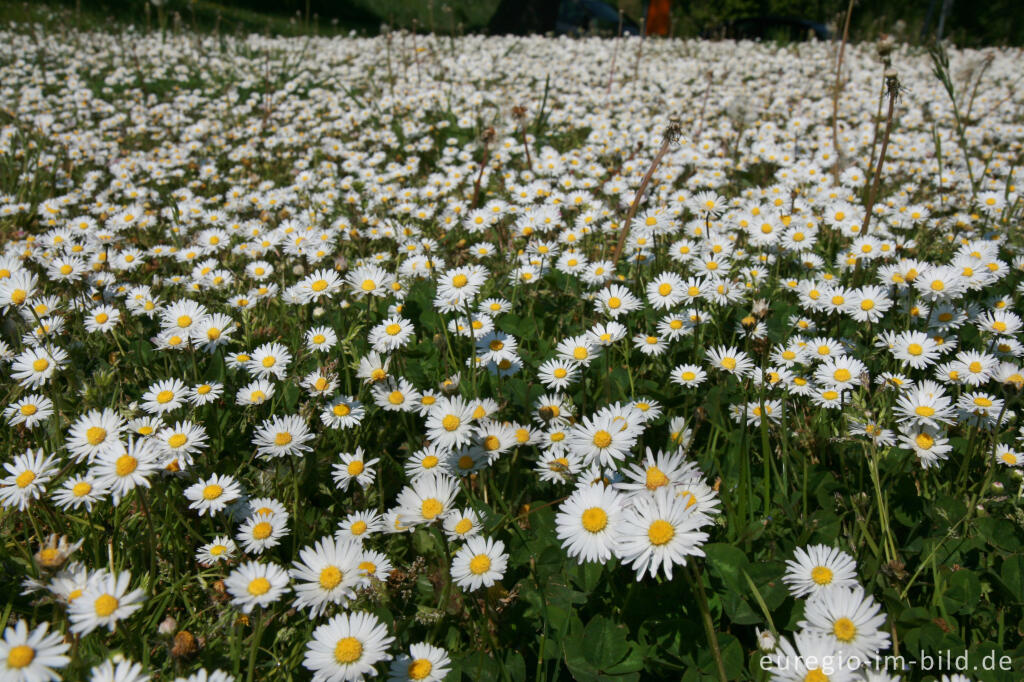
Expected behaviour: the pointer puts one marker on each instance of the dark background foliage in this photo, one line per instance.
(968, 24)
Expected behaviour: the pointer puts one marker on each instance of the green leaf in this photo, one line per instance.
(727, 563)
(604, 642)
(1012, 575)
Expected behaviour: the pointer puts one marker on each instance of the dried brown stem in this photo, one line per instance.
(892, 85)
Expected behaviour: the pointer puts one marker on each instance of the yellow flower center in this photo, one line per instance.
(184, 321)
(259, 586)
(429, 462)
(419, 669)
(20, 656)
(915, 349)
(841, 374)
(25, 479)
(655, 478)
(105, 605)
(815, 676)
(217, 550)
(614, 302)
(460, 281)
(269, 361)
(602, 439)
(480, 564)
(164, 397)
(924, 411)
(844, 630)
(595, 520)
(330, 577)
(283, 438)
(665, 289)
(660, 532)
(125, 465)
(262, 530)
(355, 467)
(40, 365)
(431, 507)
(463, 526)
(81, 488)
(450, 422)
(319, 285)
(396, 397)
(821, 575)
(212, 491)
(348, 650)
(729, 363)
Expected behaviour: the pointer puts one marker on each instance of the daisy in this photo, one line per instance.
(461, 523)
(347, 647)
(391, 334)
(319, 382)
(321, 339)
(79, 491)
(606, 333)
(261, 531)
(221, 549)
(604, 439)
(395, 395)
(354, 467)
(656, 471)
(926, 404)
(928, 443)
(256, 392)
(818, 567)
(588, 523)
(205, 393)
(102, 318)
(213, 494)
(841, 372)
(359, 525)
(427, 499)
(123, 670)
(731, 360)
(326, 573)
(27, 476)
(32, 656)
(849, 616)
(479, 563)
(616, 300)
(282, 436)
(424, 462)
(666, 291)
(212, 331)
(659, 532)
(813, 657)
(369, 280)
(104, 602)
(688, 376)
(423, 663)
(29, 411)
(449, 423)
(164, 396)
(34, 367)
(181, 316)
(916, 349)
(580, 350)
(343, 412)
(122, 470)
(254, 584)
(269, 359)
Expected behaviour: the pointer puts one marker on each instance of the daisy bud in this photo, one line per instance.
(765, 640)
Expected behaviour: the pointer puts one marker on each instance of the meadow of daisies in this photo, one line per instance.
(508, 359)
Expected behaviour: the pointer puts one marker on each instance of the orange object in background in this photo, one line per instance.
(658, 20)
